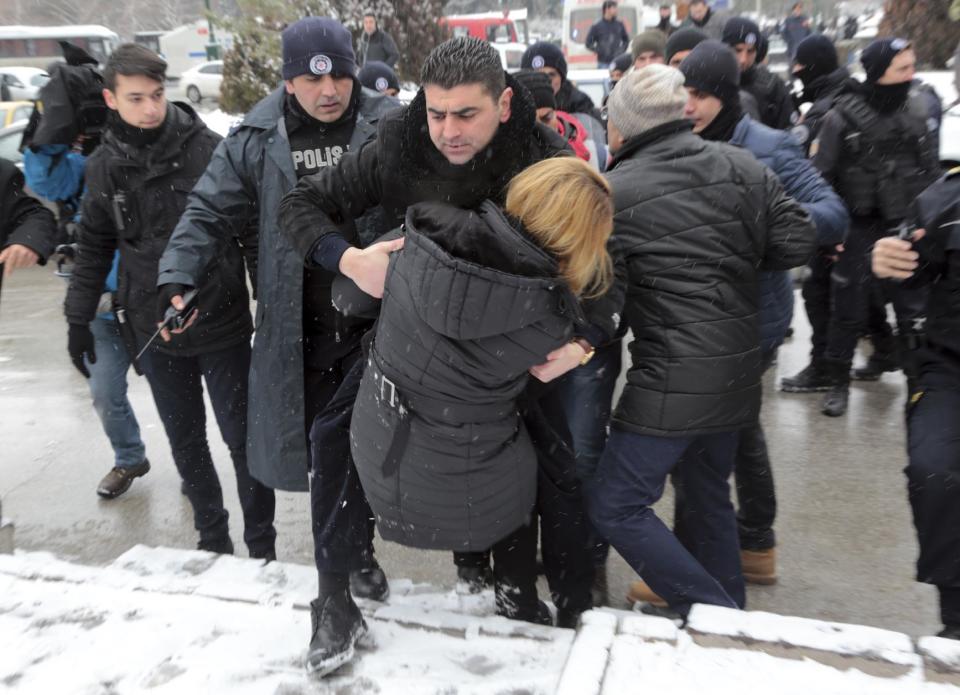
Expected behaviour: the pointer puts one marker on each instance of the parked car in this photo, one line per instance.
(13, 111)
(202, 81)
(23, 83)
(594, 83)
(10, 138)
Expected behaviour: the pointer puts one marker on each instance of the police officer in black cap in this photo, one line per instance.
(932, 259)
(817, 67)
(876, 148)
(379, 77)
(771, 93)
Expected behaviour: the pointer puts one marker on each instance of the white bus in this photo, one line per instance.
(580, 15)
(38, 47)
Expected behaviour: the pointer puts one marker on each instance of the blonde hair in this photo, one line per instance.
(568, 208)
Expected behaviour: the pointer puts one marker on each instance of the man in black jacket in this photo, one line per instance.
(152, 154)
(823, 79)
(694, 222)
(470, 129)
(376, 45)
(548, 58)
(877, 147)
(773, 97)
(27, 229)
(607, 37)
(933, 410)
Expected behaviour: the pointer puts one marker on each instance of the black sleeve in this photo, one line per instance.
(604, 313)
(591, 42)
(828, 146)
(334, 195)
(393, 54)
(96, 246)
(786, 111)
(23, 219)
(791, 235)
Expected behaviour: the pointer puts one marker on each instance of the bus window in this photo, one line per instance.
(498, 33)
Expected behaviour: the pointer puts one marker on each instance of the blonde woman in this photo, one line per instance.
(472, 302)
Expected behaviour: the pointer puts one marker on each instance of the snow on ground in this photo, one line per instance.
(170, 621)
(220, 122)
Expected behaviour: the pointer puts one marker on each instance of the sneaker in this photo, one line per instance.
(640, 592)
(759, 566)
(337, 626)
(370, 583)
(474, 580)
(876, 365)
(810, 379)
(119, 480)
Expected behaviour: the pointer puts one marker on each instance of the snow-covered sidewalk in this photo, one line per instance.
(170, 621)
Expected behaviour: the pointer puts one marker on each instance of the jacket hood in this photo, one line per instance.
(477, 274)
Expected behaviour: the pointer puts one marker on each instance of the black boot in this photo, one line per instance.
(474, 580)
(370, 583)
(876, 365)
(221, 546)
(811, 378)
(949, 612)
(337, 627)
(519, 602)
(835, 402)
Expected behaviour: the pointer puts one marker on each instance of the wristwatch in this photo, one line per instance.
(587, 348)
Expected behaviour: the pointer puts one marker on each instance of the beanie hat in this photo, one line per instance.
(378, 76)
(817, 56)
(539, 87)
(646, 98)
(712, 67)
(317, 46)
(683, 40)
(652, 40)
(622, 62)
(544, 55)
(876, 57)
(739, 30)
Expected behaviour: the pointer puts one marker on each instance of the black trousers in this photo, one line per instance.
(342, 522)
(178, 393)
(564, 530)
(933, 485)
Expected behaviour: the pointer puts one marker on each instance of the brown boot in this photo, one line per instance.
(641, 593)
(759, 566)
(118, 480)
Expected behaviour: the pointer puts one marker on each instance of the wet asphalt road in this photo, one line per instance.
(846, 542)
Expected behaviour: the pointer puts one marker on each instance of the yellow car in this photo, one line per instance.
(13, 111)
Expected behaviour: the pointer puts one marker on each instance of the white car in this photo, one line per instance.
(202, 81)
(595, 83)
(23, 83)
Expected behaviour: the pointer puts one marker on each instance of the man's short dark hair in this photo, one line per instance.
(370, 13)
(664, 7)
(130, 60)
(464, 60)
(608, 4)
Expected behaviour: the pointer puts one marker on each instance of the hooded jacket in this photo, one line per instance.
(134, 199)
(693, 260)
(470, 304)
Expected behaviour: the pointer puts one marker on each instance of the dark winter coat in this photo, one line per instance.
(23, 219)
(572, 100)
(773, 97)
(247, 177)
(134, 199)
(470, 304)
(820, 93)
(378, 47)
(693, 256)
(877, 162)
(801, 181)
(608, 39)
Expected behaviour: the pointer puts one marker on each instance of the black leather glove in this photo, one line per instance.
(80, 343)
(168, 292)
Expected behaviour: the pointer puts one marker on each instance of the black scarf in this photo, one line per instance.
(133, 136)
(886, 98)
(721, 128)
(747, 76)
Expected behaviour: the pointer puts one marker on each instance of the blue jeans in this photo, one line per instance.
(587, 396)
(630, 479)
(108, 386)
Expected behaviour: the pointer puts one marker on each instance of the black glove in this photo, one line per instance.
(80, 343)
(168, 292)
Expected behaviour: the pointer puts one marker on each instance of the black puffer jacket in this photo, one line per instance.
(134, 199)
(694, 223)
(470, 304)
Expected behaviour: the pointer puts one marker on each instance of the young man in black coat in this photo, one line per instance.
(466, 134)
(151, 155)
(774, 102)
(608, 36)
(548, 58)
(683, 206)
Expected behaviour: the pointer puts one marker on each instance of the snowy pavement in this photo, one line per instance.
(160, 620)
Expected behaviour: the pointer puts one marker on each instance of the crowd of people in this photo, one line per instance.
(443, 289)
